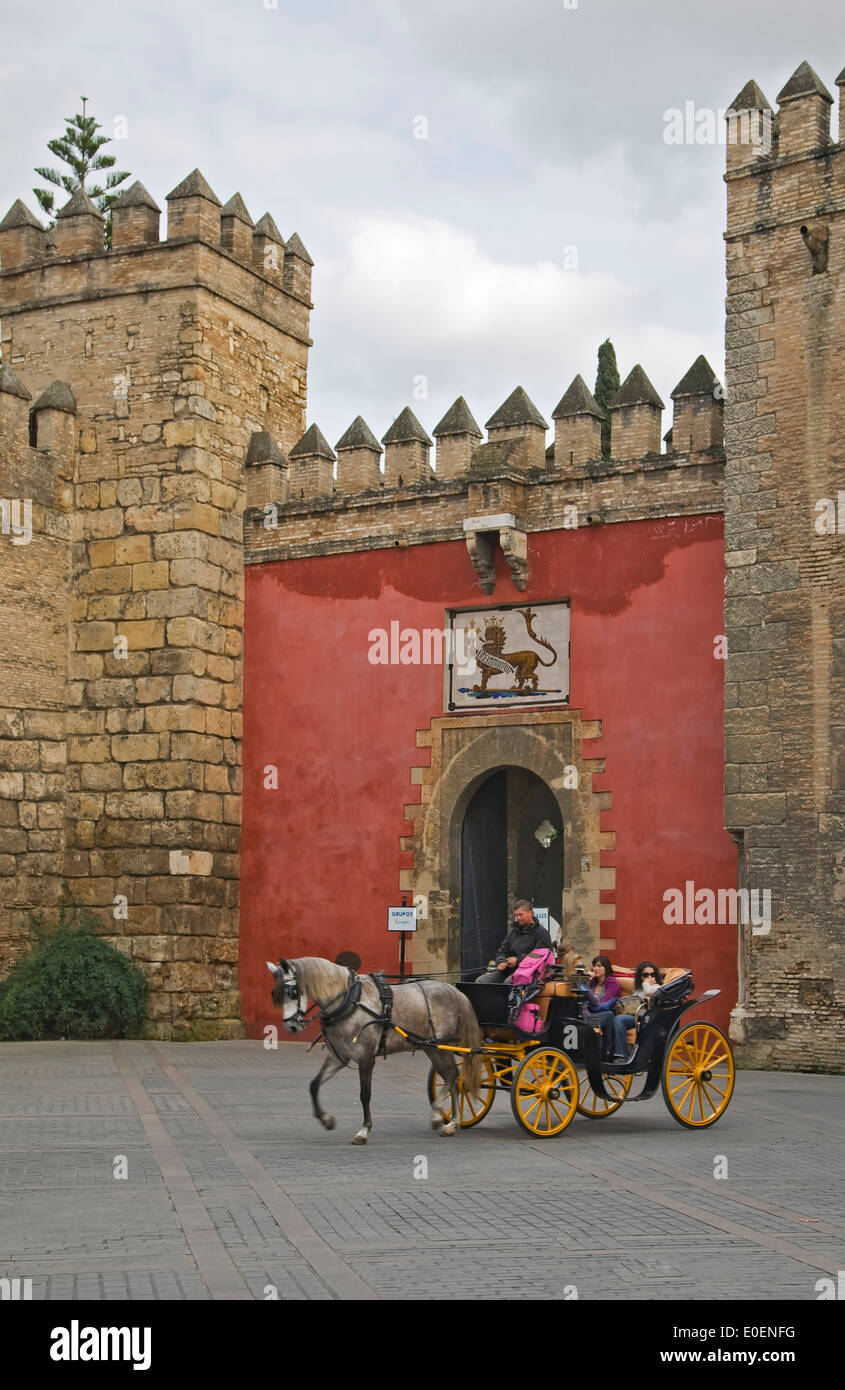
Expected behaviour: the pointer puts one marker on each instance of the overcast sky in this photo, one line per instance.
(541, 212)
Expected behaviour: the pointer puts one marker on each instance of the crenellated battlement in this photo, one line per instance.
(37, 446)
(267, 274)
(415, 499)
(784, 163)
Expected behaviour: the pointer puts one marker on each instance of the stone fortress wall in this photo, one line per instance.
(122, 685)
(152, 408)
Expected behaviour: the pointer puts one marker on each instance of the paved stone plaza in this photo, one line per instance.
(232, 1187)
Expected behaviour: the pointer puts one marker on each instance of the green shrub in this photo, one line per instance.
(72, 985)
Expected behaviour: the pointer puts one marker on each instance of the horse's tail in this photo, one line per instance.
(469, 1035)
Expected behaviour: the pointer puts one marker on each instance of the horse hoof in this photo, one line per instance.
(437, 1123)
(447, 1131)
(359, 1139)
(328, 1122)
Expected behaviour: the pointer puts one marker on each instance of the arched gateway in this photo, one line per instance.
(511, 847)
(489, 789)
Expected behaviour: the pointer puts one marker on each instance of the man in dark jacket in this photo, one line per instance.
(524, 936)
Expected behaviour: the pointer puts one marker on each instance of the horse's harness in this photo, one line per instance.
(339, 1009)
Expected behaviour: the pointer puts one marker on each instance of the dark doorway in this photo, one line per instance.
(484, 873)
(511, 847)
(536, 843)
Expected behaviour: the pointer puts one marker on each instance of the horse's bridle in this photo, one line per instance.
(291, 991)
(332, 1013)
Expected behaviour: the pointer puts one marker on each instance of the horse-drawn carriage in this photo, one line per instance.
(469, 1033)
(560, 1071)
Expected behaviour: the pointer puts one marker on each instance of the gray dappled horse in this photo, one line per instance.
(351, 1014)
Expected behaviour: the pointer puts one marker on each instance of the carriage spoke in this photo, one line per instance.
(680, 1103)
(721, 1096)
(711, 1057)
(556, 1112)
(685, 1077)
(535, 1105)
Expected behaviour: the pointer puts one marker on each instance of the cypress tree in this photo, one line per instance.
(79, 148)
(607, 384)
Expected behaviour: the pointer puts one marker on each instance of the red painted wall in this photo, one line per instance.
(320, 855)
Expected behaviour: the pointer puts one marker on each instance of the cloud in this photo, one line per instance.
(441, 256)
(415, 297)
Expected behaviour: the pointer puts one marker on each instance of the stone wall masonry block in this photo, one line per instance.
(142, 635)
(102, 525)
(206, 805)
(18, 754)
(178, 718)
(107, 580)
(152, 690)
(88, 749)
(52, 756)
(149, 518)
(148, 805)
(95, 637)
(196, 572)
(172, 776)
(101, 553)
(196, 516)
(182, 545)
(197, 747)
(43, 724)
(177, 603)
(134, 747)
(219, 721)
(193, 632)
(150, 576)
(188, 688)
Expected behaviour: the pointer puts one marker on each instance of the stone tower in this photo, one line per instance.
(173, 355)
(785, 583)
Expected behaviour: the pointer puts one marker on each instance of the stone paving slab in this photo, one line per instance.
(232, 1190)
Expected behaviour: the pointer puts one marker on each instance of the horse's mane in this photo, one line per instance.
(321, 979)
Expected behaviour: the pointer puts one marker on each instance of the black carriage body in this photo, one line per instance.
(566, 1030)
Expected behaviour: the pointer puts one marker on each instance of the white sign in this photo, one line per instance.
(542, 915)
(401, 919)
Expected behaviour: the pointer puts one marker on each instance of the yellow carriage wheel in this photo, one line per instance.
(544, 1094)
(472, 1108)
(698, 1075)
(593, 1106)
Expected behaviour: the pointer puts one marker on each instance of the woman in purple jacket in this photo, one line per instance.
(600, 994)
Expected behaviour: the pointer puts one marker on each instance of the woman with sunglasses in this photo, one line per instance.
(647, 978)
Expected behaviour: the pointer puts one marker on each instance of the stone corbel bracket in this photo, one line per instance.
(481, 535)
